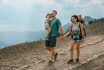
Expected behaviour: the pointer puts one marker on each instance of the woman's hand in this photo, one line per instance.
(82, 40)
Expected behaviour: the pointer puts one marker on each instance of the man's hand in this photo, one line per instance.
(62, 37)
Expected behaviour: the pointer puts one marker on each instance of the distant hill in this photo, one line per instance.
(87, 19)
(30, 53)
(95, 28)
(66, 27)
(11, 38)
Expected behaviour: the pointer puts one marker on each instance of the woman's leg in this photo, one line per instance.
(72, 50)
(78, 48)
(71, 53)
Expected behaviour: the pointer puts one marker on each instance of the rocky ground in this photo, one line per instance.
(95, 64)
(36, 59)
(33, 55)
(87, 52)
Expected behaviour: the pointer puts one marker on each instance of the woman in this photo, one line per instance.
(47, 27)
(77, 35)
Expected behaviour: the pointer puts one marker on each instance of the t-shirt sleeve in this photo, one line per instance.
(58, 22)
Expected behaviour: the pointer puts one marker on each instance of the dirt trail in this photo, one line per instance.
(93, 46)
(33, 56)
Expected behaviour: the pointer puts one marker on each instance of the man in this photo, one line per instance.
(83, 24)
(56, 30)
(80, 19)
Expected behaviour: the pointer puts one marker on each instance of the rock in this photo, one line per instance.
(66, 69)
(25, 66)
(83, 62)
(62, 53)
(41, 61)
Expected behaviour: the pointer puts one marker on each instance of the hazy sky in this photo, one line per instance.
(29, 15)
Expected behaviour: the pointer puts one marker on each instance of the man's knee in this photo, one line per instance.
(48, 49)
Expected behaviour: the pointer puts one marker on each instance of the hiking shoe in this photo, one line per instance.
(77, 60)
(55, 56)
(50, 63)
(70, 61)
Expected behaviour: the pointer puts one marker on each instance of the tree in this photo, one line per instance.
(90, 22)
(102, 19)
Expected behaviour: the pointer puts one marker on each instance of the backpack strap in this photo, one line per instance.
(83, 29)
(71, 27)
(79, 24)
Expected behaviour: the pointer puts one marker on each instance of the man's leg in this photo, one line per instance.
(52, 45)
(47, 44)
(48, 49)
(52, 54)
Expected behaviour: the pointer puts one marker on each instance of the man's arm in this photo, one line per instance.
(61, 30)
(60, 27)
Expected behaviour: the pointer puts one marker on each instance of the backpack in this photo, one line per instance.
(84, 31)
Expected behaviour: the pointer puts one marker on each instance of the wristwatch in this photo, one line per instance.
(82, 37)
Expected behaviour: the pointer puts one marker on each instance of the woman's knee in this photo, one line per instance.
(72, 46)
(78, 48)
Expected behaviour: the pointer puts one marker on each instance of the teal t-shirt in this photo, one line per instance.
(54, 25)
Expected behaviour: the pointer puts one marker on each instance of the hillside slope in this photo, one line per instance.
(33, 55)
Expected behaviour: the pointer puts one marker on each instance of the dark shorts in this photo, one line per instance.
(76, 37)
(51, 42)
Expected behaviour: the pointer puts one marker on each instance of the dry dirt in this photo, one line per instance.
(36, 58)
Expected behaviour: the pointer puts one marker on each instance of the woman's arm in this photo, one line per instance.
(69, 31)
(82, 31)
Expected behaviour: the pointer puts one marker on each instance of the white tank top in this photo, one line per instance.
(76, 27)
